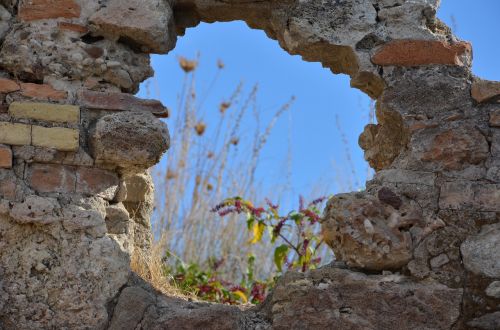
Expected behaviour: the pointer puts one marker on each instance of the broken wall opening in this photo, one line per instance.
(304, 155)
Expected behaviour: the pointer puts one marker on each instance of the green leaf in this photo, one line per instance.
(280, 254)
(250, 222)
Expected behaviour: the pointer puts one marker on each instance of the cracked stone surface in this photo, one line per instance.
(70, 221)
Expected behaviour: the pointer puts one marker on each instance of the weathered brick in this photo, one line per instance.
(484, 90)
(46, 9)
(64, 139)
(42, 92)
(420, 52)
(95, 181)
(8, 188)
(5, 156)
(15, 134)
(120, 102)
(8, 86)
(81, 29)
(52, 178)
(46, 112)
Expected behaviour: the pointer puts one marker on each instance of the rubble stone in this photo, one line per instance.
(148, 25)
(481, 252)
(129, 139)
(369, 234)
(484, 90)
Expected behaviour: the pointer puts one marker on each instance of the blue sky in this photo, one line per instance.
(319, 157)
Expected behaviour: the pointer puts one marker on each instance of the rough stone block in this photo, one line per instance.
(147, 24)
(352, 300)
(42, 92)
(140, 188)
(45, 112)
(462, 195)
(487, 197)
(5, 156)
(8, 86)
(453, 148)
(484, 90)
(481, 252)
(8, 188)
(47, 178)
(495, 118)
(64, 139)
(95, 181)
(120, 102)
(15, 134)
(456, 195)
(129, 139)
(35, 209)
(421, 52)
(46, 9)
(495, 143)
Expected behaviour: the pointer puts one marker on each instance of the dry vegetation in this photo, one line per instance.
(209, 161)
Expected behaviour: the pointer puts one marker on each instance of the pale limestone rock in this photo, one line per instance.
(370, 234)
(148, 25)
(481, 252)
(128, 139)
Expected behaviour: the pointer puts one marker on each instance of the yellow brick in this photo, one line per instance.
(64, 139)
(15, 134)
(59, 113)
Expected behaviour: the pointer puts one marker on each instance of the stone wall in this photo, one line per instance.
(419, 249)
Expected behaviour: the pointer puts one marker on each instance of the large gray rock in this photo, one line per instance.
(131, 307)
(489, 321)
(481, 252)
(333, 298)
(129, 139)
(368, 233)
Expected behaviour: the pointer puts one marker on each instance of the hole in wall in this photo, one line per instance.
(311, 150)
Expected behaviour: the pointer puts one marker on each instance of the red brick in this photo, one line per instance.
(120, 102)
(42, 92)
(52, 178)
(8, 188)
(421, 52)
(8, 86)
(5, 156)
(30, 10)
(73, 27)
(95, 181)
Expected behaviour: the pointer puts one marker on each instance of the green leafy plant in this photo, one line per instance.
(208, 284)
(297, 231)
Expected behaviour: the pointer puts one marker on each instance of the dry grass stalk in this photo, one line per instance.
(208, 162)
